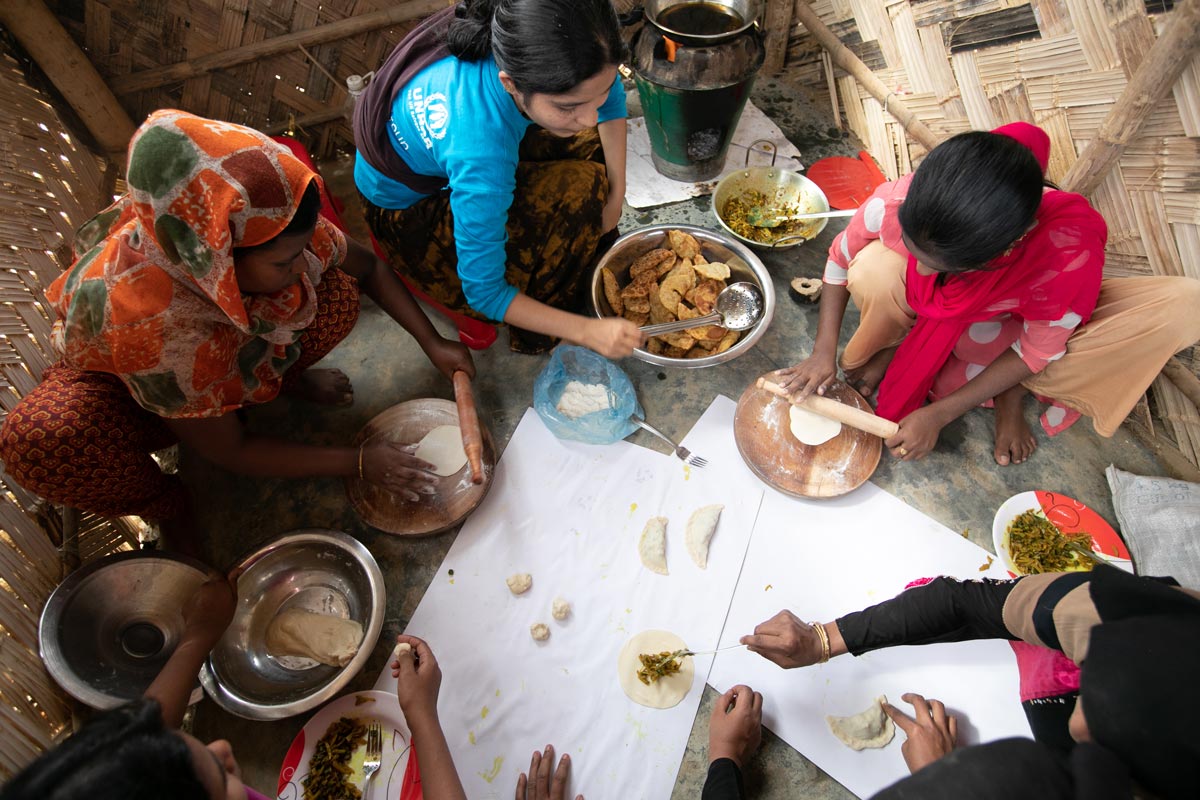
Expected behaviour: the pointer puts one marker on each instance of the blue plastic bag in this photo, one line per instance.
(569, 363)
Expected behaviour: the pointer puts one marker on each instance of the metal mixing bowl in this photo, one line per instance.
(782, 188)
(743, 264)
(107, 630)
(322, 571)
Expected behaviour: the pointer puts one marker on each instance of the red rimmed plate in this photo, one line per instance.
(1067, 514)
(398, 777)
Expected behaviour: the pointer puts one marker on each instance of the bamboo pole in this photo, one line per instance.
(342, 29)
(852, 64)
(57, 55)
(1155, 76)
(778, 24)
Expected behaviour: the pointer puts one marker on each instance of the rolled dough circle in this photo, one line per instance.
(443, 448)
(810, 428)
(665, 692)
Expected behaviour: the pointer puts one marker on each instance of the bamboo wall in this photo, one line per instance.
(49, 185)
(976, 64)
(129, 42)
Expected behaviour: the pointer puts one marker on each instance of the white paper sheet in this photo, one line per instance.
(571, 515)
(646, 187)
(824, 558)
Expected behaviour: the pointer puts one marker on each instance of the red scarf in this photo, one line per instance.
(1038, 278)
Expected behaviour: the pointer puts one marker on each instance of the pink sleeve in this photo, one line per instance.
(1044, 341)
(865, 227)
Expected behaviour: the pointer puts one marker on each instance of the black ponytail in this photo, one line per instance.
(545, 46)
(973, 196)
(123, 754)
(470, 34)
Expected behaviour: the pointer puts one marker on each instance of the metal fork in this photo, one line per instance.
(681, 452)
(374, 754)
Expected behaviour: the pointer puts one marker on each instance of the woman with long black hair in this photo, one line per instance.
(491, 161)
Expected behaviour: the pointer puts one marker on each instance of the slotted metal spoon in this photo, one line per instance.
(738, 307)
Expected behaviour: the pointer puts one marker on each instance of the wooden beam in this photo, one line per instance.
(1154, 78)
(778, 24)
(342, 29)
(851, 63)
(316, 118)
(57, 55)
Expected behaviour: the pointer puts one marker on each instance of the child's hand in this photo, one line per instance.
(208, 612)
(539, 784)
(813, 374)
(418, 679)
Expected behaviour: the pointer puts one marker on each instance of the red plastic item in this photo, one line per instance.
(846, 182)
(475, 334)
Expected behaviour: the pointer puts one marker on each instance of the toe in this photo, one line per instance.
(1001, 457)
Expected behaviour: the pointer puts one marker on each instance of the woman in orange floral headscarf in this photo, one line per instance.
(210, 286)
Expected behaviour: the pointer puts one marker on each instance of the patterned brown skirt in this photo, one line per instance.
(553, 231)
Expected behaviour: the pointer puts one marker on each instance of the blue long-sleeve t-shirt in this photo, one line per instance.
(454, 119)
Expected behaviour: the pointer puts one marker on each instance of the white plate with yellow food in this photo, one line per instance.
(338, 731)
(1039, 540)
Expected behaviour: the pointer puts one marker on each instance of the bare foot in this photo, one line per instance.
(1014, 440)
(325, 387)
(866, 379)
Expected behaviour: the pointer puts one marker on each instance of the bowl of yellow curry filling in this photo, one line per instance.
(665, 273)
(745, 199)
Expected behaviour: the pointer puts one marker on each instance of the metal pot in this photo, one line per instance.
(781, 187)
(742, 15)
(716, 246)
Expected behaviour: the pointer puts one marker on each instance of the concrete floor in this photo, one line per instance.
(959, 484)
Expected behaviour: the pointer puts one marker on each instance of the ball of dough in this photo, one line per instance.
(540, 631)
(560, 609)
(401, 648)
(519, 583)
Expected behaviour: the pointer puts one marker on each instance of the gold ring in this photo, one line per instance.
(903, 451)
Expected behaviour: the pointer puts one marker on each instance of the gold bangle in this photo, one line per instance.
(360, 469)
(824, 637)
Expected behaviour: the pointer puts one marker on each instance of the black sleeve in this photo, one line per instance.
(943, 610)
(724, 781)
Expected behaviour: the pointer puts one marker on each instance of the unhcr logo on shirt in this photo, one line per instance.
(430, 115)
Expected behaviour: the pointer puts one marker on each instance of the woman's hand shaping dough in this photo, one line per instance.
(931, 735)
(394, 467)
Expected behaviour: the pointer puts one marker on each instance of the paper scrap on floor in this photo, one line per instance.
(570, 515)
(824, 558)
(646, 187)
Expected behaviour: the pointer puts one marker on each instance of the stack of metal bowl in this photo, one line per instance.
(744, 265)
(325, 572)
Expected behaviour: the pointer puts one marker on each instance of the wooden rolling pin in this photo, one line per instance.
(828, 407)
(468, 423)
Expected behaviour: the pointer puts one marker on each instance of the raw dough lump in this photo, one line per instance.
(560, 609)
(519, 583)
(870, 728)
(540, 631)
(652, 547)
(443, 448)
(700, 529)
(401, 647)
(329, 640)
(812, 429)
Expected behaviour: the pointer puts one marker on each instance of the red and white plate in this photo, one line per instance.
(1068, 515)
(398, 777)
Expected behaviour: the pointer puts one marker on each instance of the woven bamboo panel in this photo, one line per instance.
(977, 64)
(124, 37)
(49, 184)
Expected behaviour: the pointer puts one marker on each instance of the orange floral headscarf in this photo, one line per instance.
(153, 297)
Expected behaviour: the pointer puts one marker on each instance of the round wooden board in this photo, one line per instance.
(761, 430)
(456, 495)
